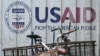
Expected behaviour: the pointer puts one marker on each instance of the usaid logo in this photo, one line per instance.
(18, 17)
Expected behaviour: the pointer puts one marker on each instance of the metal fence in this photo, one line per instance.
(79, 48)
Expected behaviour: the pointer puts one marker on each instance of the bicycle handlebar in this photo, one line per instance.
(55, 29)
(70, 31)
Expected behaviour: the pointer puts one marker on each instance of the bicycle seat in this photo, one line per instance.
(33, 36)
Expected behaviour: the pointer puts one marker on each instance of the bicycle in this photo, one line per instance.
(55, 51)
(64, 37)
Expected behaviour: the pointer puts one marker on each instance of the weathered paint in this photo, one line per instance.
(10, 39)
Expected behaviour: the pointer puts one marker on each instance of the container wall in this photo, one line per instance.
(21, 17)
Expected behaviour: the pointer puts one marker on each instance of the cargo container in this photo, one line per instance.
(21, 17)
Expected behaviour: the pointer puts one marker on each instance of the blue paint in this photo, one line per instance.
(37, 15)
(32, 43)
(52, 12)
(57, 16)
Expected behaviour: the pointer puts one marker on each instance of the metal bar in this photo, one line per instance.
(32, 43)
(75, 50)
(26, 52)
(53, 38)
(84, 49)
(79, 49)
(93, 49)
(13, 52)
(32, 40)
(22, 52)
(4, 53)
(17, 52)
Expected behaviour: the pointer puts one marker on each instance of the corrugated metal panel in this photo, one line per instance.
(8, 38)
(22, 40)
(11, 39)
(0, 31)
(51, 4)
(41, 5)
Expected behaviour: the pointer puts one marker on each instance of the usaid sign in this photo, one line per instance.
(18, 17)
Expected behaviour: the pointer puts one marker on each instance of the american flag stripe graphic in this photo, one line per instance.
(18, 25)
